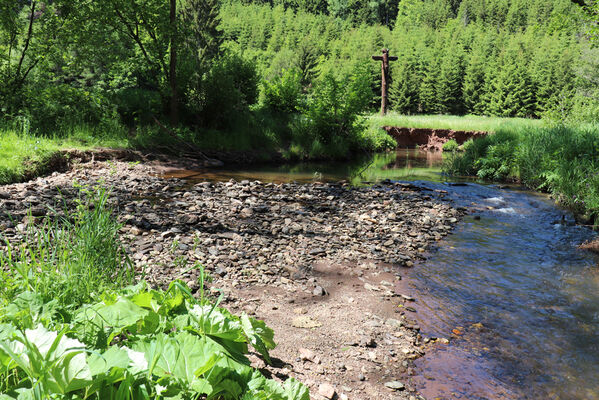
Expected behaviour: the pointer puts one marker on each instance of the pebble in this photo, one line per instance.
(326, 390)
(395, 385)
(306, 322)
(319, 291)
(240, 228)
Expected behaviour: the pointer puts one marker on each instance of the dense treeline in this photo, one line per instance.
(290, 75)
(504, 58)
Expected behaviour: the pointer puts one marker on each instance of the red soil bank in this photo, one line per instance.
(429, 139)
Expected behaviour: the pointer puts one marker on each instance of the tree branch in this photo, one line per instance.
(28, 39)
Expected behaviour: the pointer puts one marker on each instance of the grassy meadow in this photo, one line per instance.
(453, 122)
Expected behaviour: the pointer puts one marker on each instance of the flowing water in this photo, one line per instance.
(518, 300)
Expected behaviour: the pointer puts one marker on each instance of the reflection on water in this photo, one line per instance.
(403, 164)
(524, 301)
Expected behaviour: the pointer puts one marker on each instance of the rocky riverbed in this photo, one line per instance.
(320, 263)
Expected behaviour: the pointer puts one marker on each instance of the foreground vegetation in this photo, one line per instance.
(558, 159)
(73, 325)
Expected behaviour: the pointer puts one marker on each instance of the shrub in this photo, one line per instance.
(284, 92)
(450, 146)
(223, 95)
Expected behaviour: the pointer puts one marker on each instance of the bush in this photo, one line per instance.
(52, 108)
(335, 104)
(450, 146)
(223, 96)
(284, 92)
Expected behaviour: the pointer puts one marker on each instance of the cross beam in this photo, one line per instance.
(385, 58)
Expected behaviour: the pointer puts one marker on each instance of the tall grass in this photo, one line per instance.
(462, 123)
(558, 159)
(69, 258)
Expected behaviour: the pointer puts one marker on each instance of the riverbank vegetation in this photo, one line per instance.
(561, 160)
(476, 123)
(75, 323)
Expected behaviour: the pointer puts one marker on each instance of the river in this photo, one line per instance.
(509, 288)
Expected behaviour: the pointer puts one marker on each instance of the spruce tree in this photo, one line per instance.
(449, 83)
(475, 77)
(427, 96)
(513, 94)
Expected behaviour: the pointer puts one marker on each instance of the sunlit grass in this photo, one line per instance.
(462, 123)
(22, 154)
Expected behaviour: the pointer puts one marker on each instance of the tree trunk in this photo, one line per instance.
(174, 101)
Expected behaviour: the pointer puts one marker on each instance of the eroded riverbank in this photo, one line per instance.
(321, 262)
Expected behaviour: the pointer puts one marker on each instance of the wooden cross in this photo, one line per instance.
(385, 58)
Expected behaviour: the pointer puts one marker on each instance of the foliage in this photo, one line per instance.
(284, 92)
(496, 58)
(224, 94)
(136, 342)
(450, 146)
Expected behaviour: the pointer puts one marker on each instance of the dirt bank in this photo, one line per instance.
(321, 263)
(429, 139)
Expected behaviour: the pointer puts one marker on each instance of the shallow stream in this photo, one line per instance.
(518, 300)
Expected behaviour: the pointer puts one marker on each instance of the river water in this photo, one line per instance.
(509, 288)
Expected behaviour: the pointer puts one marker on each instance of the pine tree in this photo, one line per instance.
(403, 93)
(473, 89)
(202, 19)
(513, 94)
(427, 95)
(449, 83)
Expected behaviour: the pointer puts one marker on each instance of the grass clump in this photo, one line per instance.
(563, 161)
(71, 258)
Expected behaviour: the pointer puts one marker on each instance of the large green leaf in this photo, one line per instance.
(183, 356)
(112, 319)
(259, 335)
(56, 362)
(114, 357)
(218, 322)
(295, 390)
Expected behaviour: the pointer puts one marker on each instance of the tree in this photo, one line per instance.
(27, 37)
(449, 84)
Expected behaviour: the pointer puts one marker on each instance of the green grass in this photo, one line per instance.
(72, 255)
(457, 123)
(23, 155)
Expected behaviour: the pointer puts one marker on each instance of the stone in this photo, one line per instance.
(306, 322)
(326, 390)
(319, 291)
(395, 385)
(306, 354)
(317, 252)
